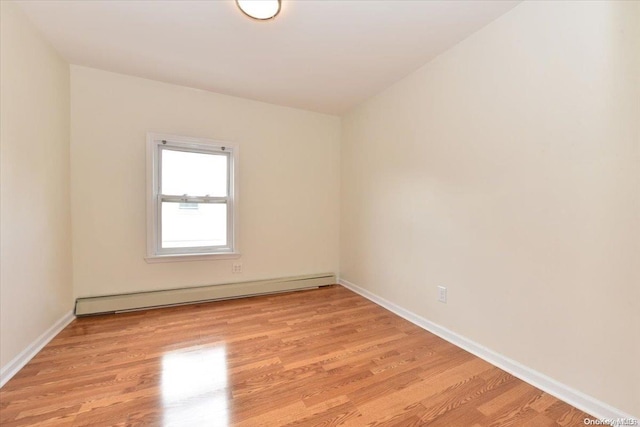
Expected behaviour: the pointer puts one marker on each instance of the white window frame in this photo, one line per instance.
(155, 253)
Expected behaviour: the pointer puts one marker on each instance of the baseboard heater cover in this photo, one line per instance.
(164, 298)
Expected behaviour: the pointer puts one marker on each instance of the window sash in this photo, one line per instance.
(194, 249)
(192, 199)
(210, 150)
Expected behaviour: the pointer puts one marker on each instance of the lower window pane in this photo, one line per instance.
(187, 225)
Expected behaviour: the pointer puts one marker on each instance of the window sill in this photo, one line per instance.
(191, 257)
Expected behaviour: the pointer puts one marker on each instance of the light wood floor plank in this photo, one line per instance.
(325, 357)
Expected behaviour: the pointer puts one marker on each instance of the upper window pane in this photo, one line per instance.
(194, 174)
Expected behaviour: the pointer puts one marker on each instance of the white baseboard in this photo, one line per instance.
(563, 392)
(10, 369)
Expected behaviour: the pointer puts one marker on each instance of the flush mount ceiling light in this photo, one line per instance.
(261, 10)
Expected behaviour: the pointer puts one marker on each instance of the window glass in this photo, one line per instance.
(202, 226)
(194, 174)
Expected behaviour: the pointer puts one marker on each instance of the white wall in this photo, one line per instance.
(289, 183)
(35, 233)
(508, 170)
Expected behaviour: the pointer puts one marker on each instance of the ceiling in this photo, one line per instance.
(319, 55)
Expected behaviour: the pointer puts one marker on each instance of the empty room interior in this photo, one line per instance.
(355, 213)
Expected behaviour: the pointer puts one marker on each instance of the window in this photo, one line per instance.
(191, 205)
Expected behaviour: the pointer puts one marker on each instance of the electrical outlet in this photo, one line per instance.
(236, 267)
(442, 294)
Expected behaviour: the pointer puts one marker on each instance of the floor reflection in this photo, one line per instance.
(194, 387)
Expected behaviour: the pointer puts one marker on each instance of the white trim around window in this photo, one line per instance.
(157, 248)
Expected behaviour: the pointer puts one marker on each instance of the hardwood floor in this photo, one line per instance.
(320, 357)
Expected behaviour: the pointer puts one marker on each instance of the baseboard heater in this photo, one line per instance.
(156, 299)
